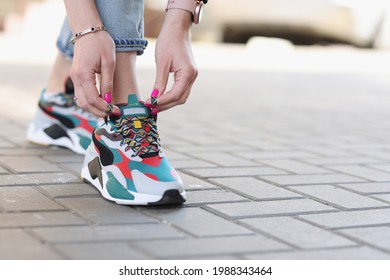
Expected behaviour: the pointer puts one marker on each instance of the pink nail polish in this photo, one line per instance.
(154, 93)
(107, 97)
(155, 111)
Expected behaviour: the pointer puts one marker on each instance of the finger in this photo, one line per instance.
(83, 103)
(181, 88)
(162, 76)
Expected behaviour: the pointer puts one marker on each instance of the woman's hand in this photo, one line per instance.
(93, 54)
(173, 55)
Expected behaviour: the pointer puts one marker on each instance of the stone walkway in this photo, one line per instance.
(277, 165)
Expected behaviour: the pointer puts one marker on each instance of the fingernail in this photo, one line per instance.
(116, 111)
(148, 105)
(155, 111)
(107, 97)
(154, 93)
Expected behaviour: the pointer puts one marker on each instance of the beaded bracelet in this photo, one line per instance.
(86, 31)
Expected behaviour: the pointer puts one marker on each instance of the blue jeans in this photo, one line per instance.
(124, 21)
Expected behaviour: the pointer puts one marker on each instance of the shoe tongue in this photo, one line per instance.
(134, 108)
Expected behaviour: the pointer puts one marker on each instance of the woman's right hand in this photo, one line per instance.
(93, 54)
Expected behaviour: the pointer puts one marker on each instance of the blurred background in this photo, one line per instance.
(267, 35)
(361, 23)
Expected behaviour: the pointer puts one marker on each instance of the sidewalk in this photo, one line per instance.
(285, 160)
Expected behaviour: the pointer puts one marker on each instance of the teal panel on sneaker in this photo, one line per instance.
(116, 190)
(134, 108)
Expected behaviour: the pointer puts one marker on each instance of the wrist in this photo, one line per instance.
(178, 19)
(194, 7)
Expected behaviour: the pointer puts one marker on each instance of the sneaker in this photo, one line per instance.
(126, 163)
(59, 122)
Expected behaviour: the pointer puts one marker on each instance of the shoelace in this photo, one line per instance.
(138, 134)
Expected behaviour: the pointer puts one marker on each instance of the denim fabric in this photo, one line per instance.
(124, 21)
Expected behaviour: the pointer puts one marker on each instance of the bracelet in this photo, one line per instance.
(86, 31)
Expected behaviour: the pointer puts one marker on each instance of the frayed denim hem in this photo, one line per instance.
(131, 45)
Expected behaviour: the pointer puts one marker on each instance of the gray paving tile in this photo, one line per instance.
(107, 233)
(25, 199)
(288, 180)
(200, 223)
(375, 236)
(363, 172)
(36, 219)
(269, 208)
(354, 253)
(338, 197)
(18, 245)
(233, 171)
(102, 211)
(193, 183)
(201, 197)
(342, 160)
(68, 190)
(255, 189)
(225, 159)
(190, 163)
(101, 251)
(205, 247)
(294, 166)
(368, 188)
(38, 179)
(385, 197)
(288, 154)
(22, 164)
(297, 233)
(350, 219)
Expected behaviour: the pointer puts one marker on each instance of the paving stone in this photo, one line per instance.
(368, 188)
(69, 190)
(101, 251)
(362, 172)
(350, 219)
(102, 211)
(108, 233)
(25, 199)
(234, 171)
(68, 158)
(190, 163)
(193, 183)
(297, 233)
(295, 166)
(341, 160)
(22, 164)
(201, 247)
(375, 236)
(201, 197)
(354, 253)
(38, 179)
(385, 197)
(382, 167)
(289, 180)
(338, 197)
(269, 208)
(255, 189)
(74, 168)
(200, 223)
(225, 159)
(36, 219)
(3, 171)
(288, 154)
(27, 247)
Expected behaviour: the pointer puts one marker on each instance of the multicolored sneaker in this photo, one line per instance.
(59, 122)
(125, 161)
